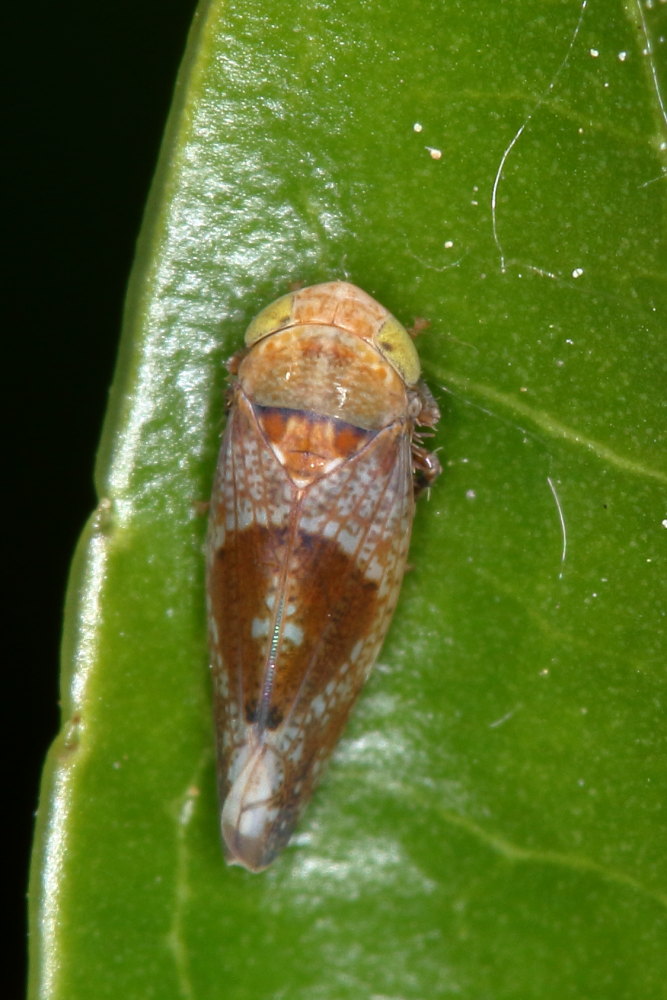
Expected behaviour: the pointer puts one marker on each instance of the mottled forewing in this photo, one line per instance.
(347, 562)
(249, 518)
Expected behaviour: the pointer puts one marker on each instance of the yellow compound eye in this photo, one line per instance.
(274, 317)
(396, 346)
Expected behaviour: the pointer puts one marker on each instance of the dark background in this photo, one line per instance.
(88, 96)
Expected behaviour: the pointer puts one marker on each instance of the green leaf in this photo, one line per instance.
(493, 823)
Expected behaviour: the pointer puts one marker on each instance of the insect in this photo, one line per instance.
(309, 528)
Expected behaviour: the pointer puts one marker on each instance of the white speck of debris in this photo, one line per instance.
(563, 529)
(622, 56)
(523, 388)
(434, 153)
(595, 53)
(417, 127)
(471, 495)
(503, 718)
(664, 523)
(568, 341)
(187, 810)
(577, 273)
(448, 244)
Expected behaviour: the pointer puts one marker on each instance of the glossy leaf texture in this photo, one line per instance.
(493, 823)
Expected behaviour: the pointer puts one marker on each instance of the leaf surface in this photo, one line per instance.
(493, 824)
